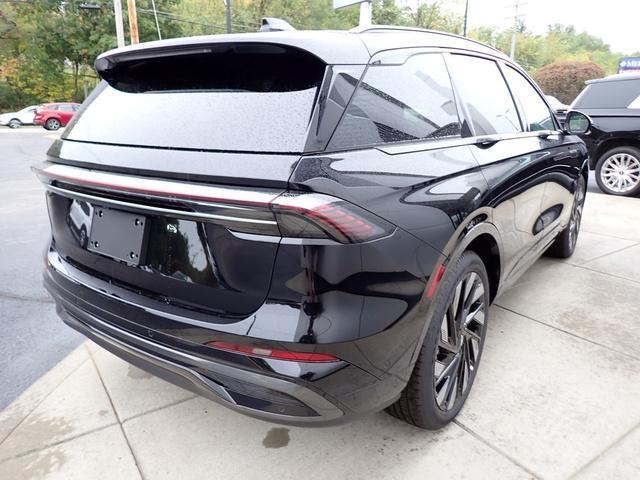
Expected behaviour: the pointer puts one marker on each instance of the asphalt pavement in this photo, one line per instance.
(32, 338)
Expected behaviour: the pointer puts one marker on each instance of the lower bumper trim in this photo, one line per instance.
(153, 357)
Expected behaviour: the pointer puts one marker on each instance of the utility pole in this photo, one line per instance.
(466, 14)
(117, 11)
(365, 14)
(228, 3)
(155, 14)
(133, 21)
(516, 16)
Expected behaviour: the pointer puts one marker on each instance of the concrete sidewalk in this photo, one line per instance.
(557, 397)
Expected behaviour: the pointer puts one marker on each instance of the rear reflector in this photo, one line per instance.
(436, 281)
(273, 353)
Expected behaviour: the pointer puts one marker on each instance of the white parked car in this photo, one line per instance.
(17, 119)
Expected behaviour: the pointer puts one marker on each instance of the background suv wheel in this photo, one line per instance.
(450, 355)
(618, 171)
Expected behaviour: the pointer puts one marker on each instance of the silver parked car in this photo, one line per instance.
(17, 119)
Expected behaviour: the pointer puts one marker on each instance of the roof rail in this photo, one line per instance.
(373, 28)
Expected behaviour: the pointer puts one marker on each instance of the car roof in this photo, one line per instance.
(615, 78)
(334, 47)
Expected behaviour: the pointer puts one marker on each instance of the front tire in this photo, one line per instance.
(618, 172)
(565, 244)
(450, 354)
(14, 123)
(52, 124)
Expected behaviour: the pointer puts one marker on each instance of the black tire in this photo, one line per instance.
(52, 124)
(565, 244)
(603, 167)
(418, 404)
(14, 123)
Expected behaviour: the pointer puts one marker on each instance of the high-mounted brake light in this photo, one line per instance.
(436, 280)
(275, 354)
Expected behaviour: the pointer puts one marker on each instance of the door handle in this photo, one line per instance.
(487, 141)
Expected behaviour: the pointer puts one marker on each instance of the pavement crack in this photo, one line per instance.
(55, 444)
(42, 400)
(157, 409)
(575, 335)
(603, 452)
(115, 412)
(496, 449)
(22, 298)
(606, 254)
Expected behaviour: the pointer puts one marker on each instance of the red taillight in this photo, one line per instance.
(436, 280)
(311, 215)
(273, 353)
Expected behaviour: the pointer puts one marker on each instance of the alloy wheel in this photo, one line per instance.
(620, 172)
(576, 215)
(461, 340)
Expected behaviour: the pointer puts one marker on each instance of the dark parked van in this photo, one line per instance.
(308, 226)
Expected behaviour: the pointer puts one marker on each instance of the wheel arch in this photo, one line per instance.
(610, 144)
(479, 235)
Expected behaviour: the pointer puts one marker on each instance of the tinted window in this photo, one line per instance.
(395, 103)
(244, 98)
(66, 108)
(52, 107)
(483, 91)
(536, 111)
(618, 94)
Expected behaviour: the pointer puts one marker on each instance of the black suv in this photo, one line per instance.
(613, 103)
(308, 226)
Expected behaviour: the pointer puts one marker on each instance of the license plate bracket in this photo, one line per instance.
(117, 234)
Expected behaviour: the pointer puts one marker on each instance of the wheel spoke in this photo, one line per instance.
(461, 336)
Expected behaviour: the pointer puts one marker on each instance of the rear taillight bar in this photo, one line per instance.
(255, 211)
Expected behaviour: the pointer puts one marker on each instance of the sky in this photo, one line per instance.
(617, 22)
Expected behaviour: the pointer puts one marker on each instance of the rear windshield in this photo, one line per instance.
(618, 94)
(231, 101)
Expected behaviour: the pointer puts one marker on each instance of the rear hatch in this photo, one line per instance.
(163, 180)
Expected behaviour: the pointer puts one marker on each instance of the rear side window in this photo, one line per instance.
(248, 98)
(618, 94)
(538, 116)
(396, 103)
(484, 92)
(66, 108)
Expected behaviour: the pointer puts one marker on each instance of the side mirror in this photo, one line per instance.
(577, 123)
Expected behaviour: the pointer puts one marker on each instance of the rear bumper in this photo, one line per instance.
(178, 368)
(277, 391)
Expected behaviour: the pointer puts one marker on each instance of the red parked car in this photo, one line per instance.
(52, 116)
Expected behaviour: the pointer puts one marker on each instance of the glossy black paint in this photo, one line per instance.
(364, 303)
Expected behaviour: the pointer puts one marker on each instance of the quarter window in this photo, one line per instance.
(485, 94)
(395, 103)
(535, 109)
